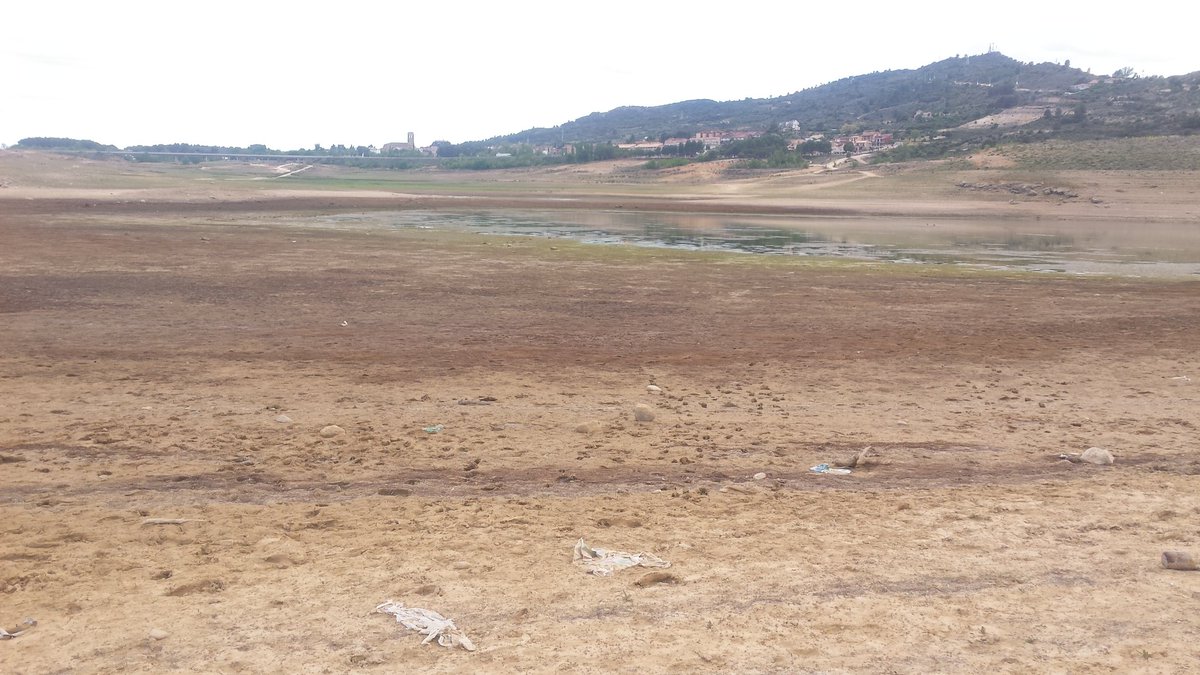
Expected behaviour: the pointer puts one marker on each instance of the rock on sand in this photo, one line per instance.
(643, 413)
(1096, 456)
(331, 431)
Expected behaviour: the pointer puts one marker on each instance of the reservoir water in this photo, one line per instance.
(1072, 247)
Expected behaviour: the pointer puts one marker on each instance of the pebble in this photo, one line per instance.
(653, 389)
(587, 427)
(643, 413)
(158, 634)
(1179, 560)
(280, 560)
(759, 476)
(461, 565)
(331, 431)
(1096, 456)
(283, 419)
(652, 578)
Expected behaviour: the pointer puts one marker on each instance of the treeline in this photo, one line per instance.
(180, 149)
(767, 151)
(486, 162)
(689, 149)
(50, 143)
(260, 149)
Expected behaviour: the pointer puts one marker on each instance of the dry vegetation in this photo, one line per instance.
(1147, 153)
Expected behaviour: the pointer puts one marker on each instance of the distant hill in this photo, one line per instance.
(69, 144)
(921, 102)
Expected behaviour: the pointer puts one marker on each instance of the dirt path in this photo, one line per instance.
(862, 175)
(296, 171)
(149, 356)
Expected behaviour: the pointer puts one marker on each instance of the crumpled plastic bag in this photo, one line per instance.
(428, 623)
(26, 626)
(603, 562)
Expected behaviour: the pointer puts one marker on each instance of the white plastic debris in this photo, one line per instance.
(1096, 456)
(603, 562)
(831, 470)
(429, 623)
(26, 626)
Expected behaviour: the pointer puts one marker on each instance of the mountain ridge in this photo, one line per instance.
(938, 96)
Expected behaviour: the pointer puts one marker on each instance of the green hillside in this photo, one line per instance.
(916, 103)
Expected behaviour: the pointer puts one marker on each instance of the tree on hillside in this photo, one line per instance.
(816, 147)
(592, 152)
(687, 149)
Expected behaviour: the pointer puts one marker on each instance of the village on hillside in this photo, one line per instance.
(697, 143)
(866, 141)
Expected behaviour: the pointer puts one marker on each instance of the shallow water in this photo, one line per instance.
(1125, 249)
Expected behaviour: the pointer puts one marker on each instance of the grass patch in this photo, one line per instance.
(665, 163)
(1153, 153)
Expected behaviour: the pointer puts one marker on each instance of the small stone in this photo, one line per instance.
(1179, 560)
(1096, 456)
(331, 431)
(652, 578)
(158, 634)
(461, 565)
(653, 389)
(760, 476)
(587, 427)
(280, 560)
(643, 413)
(283, 419)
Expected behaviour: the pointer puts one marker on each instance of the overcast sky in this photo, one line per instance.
(293, 74)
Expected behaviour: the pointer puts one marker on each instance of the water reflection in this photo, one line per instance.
(1133, 249)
